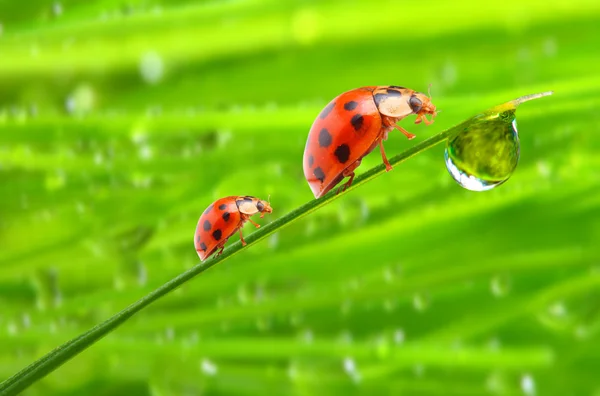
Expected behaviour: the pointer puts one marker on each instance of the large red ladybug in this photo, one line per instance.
(222, 219)
(351, 126)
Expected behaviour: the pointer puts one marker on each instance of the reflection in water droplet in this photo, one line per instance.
(483, 152)
(500, 285)
(208, 367)
(527, 384)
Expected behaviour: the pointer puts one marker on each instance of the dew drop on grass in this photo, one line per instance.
(208, 367)
(500, 285)
(11, 328)
(484, 151)
(528, 384)
(421, 302)
(350, 368)
(57, 9)
(399, 336)
(151, 67)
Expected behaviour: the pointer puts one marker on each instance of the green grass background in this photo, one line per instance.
(121, 121)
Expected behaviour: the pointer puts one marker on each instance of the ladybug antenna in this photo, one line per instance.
(429, 90)
(269, 199)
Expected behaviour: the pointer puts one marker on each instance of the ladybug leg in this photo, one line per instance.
(409, 135)
(251, 221)
(222, 246)
(242, 237)
(391, 123)
(388, 167)
(348, 172)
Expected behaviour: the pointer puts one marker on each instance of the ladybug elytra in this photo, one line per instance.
(351, 126)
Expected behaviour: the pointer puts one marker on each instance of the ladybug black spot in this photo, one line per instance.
(208, 209)
(311, 161)
(203, 246)
(217, 234)
(350, 105)
(206, 225)
(357, 122)
(324, 138)
(318, 172)
(226, 216)
(222, 206)
(393, 92)
(260, 206)
(378, 98)
(342, 153)
(396, 86)
(325, 112)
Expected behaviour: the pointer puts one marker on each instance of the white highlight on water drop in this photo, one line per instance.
(528, 384)
(350, 368)
(208, 367)
(151, 67)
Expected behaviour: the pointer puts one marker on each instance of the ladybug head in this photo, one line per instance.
(421, 105)
(263, 207)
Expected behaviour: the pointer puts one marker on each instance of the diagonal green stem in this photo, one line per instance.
(53, 360)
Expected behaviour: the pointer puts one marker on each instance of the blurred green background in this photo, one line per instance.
(121, 121)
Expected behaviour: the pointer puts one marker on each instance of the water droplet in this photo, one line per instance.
(421, 302)
(483, 152)
(293, 372)
(350, 368)
(273, 241)
(496, 383)
(57, 9)
(12, 328)
(388, 275)
(82, 100)
(26, 320)
(142, 274)
(169, 333)
(500, 285)
(558, 309)
(528, 384)
(208, 367)
(449, 73)
(399, 336)
(145, 152)
(308, 336)
(151, 67)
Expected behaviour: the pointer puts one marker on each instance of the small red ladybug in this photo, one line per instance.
(222, 219)
(351, 126)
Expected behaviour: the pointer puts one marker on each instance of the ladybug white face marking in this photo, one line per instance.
(247, 206)
(394, 106)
